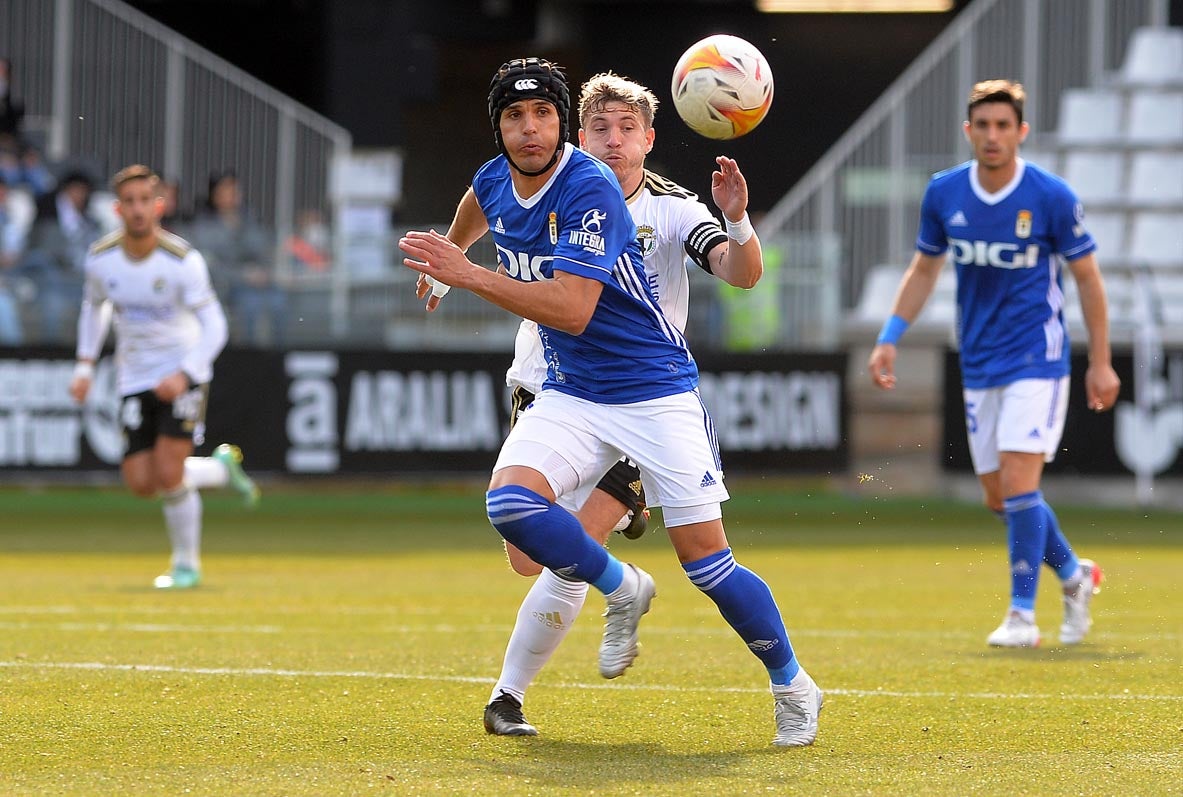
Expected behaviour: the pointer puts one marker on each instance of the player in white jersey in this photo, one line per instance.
(673, 226)
(1009, 226)
(619, 374)
(169, 329)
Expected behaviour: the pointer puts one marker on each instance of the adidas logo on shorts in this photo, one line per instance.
(707, 480)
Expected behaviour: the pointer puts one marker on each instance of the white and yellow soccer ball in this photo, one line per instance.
(722, 87)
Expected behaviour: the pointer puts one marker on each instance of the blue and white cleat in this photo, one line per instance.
(231, 456)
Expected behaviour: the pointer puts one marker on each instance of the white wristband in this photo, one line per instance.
(438, 289)
(83, 370)
(740, 231)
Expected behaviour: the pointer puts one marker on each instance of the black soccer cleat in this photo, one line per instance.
(503, 717)
(637, 524)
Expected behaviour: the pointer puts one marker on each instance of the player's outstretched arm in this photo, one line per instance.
(468, 225)
(741, 261)
(915, 288)
(1101, 383)
(566, 302)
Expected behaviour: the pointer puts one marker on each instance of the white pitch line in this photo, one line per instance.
(146, 628)
(98, 666)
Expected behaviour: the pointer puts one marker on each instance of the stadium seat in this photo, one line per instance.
(1155, 57)
(1156, 238)
(1097, 176)
(1108, 229)
(1156, 178)
(1090, 116)
(1155, 117)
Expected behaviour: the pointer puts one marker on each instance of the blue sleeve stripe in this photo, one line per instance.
(1084, 248)
(590, 266)
(934, 249)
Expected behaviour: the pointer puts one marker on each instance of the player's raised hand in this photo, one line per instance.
(1101, 385)
(882, 365)
(729, 189)
(435, 256)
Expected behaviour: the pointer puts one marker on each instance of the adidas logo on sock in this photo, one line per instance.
(707, 480)
(550, 619)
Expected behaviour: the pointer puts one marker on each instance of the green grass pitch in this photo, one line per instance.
(345, 642)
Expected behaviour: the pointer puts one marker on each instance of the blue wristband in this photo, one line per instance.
(893, 329)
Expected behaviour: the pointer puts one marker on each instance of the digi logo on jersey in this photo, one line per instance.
(993, 253)
(589, 237)
(521, 266)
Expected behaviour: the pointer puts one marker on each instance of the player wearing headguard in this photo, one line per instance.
(1010, 226)
(169, 329)
(619, 377)
(674, 228)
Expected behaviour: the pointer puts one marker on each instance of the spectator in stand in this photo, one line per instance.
(62, 233)
(239, 251)
(309, 246)
(12, 111)
(177, 218)
(11, 245)
(22, 167)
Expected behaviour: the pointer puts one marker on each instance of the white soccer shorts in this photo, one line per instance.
(573, 442)
(1026, 416)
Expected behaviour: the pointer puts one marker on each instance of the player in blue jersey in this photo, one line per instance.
(1009, 226)
(618, 372)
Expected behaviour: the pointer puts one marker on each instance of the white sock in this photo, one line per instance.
(627, 589)
(202, 472)
(547, 614)
(182, 516)
(1027, 614)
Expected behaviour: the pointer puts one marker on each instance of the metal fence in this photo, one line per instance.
(105, 85)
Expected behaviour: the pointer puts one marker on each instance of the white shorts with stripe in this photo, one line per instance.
(1026, 416)
(573, 442)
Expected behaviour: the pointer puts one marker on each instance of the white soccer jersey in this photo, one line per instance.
(672, 224)
(154, 300)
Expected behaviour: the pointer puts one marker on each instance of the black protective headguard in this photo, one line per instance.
(526, 78)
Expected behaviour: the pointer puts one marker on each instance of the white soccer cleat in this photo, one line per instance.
(1077, 619)
(620, 647)
(1015, 632)
(796, 709)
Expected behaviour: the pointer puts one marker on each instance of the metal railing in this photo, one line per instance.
(866, 190)
(106, 83)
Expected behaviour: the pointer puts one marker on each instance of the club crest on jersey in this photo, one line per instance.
(647, 238)
(158, 285)
(1023, 224)
(589, 237)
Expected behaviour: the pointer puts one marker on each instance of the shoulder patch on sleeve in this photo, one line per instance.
(107, 242)
(173, 244)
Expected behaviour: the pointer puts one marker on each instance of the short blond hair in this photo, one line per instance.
(137, 171)
(1009, 92)
(606, 87)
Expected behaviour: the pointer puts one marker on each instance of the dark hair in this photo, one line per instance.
(997, 90)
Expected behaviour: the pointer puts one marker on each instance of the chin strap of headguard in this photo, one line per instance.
(526, 78)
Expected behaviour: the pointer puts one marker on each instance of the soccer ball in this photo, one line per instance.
(722, 87)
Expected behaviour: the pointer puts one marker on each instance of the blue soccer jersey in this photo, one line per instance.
(1008, 248)
(579, 223)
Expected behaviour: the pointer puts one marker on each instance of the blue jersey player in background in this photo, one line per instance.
(1008, 226)
(619, 379)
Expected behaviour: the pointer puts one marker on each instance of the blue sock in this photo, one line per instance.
(1057, 552)
(746, 603)
(551, 536)
(1026, 524)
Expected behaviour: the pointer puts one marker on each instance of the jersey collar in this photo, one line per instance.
(1002, 193)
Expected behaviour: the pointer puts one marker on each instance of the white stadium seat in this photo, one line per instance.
(1155, 117)
(1156, 178)
(1108, 229)
(1156, 238)
(1089, 116)
(1155, 57)
(1095, 176)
